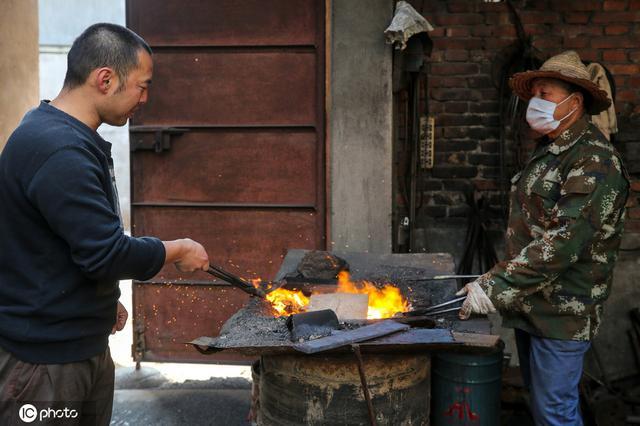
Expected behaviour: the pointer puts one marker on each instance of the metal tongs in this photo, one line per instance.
(236, 281)
(436, 309)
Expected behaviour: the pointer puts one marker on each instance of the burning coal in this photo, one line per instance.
(384, 301)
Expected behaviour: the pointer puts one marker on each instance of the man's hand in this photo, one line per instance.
(121, 319)
(477, 301)
(187, 255)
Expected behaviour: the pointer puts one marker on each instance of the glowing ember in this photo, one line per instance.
(384, 302)
(287, 302)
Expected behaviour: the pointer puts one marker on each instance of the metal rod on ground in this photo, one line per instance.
(365, 388)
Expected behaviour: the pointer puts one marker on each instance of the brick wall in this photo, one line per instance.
(468, 36)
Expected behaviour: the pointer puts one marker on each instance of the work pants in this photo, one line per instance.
(77, 393)
(551, 370)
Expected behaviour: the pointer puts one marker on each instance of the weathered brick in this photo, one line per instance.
(455, 107)
(434, 211)
(634, 56)
(576, 5)
(480, 107)
(633, 82)
(539, 17)
(593, 55)
(459, 43)
(575, 43)
(431, 184)
(463, 68)
(455, 145)
(577, 17)
(458, 211)
(536, 29)
(632, 226)
(457, 32)
(624, 69)
(494, 43)
(503, 31)
(635, 186)
(547, 41)
(455, 171)
(461, 185)
(610, 5)
(445, 81)
(461, 6)
(460, 119)
(489, 146)
(480, 81)
(450, 19)
(609, 17)
(615, 42)
(490, 172)
(579, 30)
(498, 18)
(485, 184)
(627, 96)
(457, 55)
(615, 56)
(483, 159)
(456, 94)
(633, 213)
(616, 29)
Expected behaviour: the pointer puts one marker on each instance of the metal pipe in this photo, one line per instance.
(363, 380)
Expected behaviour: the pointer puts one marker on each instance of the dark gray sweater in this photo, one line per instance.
(62, 245)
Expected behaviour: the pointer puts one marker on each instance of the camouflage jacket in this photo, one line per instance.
(565, 224)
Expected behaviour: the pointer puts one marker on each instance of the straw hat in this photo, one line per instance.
(568, 67)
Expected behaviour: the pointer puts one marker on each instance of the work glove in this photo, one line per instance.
(477, 301)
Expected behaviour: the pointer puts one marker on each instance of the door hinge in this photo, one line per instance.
(151, 138)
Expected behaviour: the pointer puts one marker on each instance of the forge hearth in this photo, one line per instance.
(328, 388)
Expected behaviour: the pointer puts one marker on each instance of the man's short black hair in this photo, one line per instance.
(103, 45)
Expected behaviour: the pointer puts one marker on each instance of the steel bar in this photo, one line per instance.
(450, 302)
(365, 387)
(443, 311)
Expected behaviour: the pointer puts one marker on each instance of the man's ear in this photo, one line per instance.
(579, 98)
(105, 79)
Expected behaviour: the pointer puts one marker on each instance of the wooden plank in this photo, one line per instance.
(352, 336)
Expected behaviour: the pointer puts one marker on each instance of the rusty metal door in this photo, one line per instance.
(229, 151)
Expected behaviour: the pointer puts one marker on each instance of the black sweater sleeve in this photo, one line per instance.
(68, 191)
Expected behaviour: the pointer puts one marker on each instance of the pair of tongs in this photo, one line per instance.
(236, 281)
(437, 309)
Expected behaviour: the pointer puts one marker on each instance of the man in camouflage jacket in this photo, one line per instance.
(565, 223)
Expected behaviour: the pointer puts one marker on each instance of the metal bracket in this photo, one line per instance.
(151, 138)
(138, 346)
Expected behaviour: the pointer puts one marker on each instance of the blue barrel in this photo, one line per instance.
(465, 389)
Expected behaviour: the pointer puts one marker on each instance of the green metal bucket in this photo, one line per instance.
(465, 389)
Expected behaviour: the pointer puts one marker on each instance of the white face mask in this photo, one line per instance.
(540, 114)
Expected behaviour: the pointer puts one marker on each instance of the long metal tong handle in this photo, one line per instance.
(450, 302)
(235, 281)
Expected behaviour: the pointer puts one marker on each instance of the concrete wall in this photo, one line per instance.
(61, 21)
(18, 63)
(360, 126)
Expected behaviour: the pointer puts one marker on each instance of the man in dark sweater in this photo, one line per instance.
(62, 245)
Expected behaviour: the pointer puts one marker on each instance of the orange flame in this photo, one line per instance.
(384, 302)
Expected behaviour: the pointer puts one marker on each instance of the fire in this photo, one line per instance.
(287, 302)
(384, 302)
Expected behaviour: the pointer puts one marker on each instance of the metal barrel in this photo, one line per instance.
(466, 389)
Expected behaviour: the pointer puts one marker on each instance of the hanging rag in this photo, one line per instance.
(605, 121)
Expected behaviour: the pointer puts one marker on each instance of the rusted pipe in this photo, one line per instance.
(365, 388)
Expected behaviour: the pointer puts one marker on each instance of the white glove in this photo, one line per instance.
(477, 301)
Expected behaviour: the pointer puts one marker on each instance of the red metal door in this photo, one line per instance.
(229, 151)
